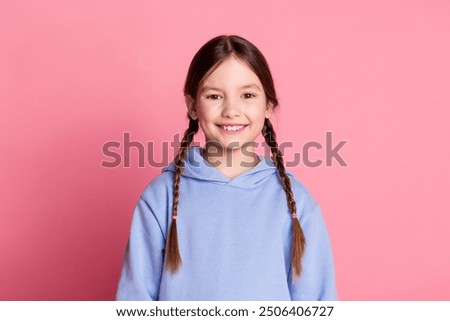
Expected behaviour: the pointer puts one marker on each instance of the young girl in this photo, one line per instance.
(221, 222)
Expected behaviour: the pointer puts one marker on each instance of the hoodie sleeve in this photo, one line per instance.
(143, 259)
(317, 281)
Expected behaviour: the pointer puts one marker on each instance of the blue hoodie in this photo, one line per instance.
(234, 238)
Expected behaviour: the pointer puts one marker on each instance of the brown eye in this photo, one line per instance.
(247, 95)
(213, 97)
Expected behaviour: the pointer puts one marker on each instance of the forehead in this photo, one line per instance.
(232, 72)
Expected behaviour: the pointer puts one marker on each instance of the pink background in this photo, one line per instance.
(77, 74)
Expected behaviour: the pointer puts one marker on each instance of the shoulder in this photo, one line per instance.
(306, 203)
(158, 195)
(159, 186)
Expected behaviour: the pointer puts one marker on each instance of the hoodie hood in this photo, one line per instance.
(197, 168)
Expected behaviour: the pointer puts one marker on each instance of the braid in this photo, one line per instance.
(173, 260)
(298, 242)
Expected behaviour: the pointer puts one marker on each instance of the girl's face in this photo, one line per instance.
(230, 105)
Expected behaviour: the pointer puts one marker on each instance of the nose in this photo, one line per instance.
(230, 109)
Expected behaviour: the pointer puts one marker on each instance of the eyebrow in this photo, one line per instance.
(242, 87)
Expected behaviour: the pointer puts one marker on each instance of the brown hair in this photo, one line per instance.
(205, 61)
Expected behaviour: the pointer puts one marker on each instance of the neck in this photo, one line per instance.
(231, 162)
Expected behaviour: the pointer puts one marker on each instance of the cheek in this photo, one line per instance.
(208, 111)
(205, 119)
(259, 113)
(201, 113)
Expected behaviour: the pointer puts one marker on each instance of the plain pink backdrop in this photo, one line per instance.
(77, 74)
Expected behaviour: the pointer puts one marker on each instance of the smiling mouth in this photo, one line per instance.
(232, 128)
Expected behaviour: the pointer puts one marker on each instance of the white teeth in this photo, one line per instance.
(232, 128)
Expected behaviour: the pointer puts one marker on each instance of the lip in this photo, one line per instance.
(231, 132)
(231, 124)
